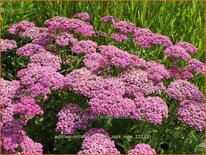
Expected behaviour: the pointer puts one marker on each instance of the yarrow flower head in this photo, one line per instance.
(101, 33)
(27, 107)
(120, 58)
(15, 140)
(65, 39)
(57, 23)
(83, 16)
(84, 47)
(124, 27)
(153, 109)
(197, 66)
(94, 131)
(95, 62)
(143, 37)
(111, 104)
(137, 83)
(174, 72)
(7, 45)
(158, 39)
(30, 49)
(156, 71)
(188, 47)
(46, 59)
(22, 26)
(180, 73)
(28, 146)
(183, 90)
(192, 113)
(33, 32)
(84, 82)
(40, 80)
(98, 143)
(12, 135)
(10, 89)
(85, 30)
(71, 118)
(119, 37)
(107, 19)
(142, 149)
(185, 74)
(176, 52)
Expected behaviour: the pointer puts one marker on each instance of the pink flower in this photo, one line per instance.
(188, 47)
(118, 37)
(192, 113)
(83, 16)
(107, 19)
(197, 66)
(95, 62)
(84, 47)
(22, 26)
(7, 45)
(46, 59)
(143, 149)
(30, 49)
(183, 90)
(98, 143)
(71, 118)
(65, 39)
(176, 52)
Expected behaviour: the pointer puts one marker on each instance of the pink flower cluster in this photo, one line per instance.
(15, 140)
(83, 16)
(98, 142)
(143, 149)
(7, 44)
(82, 81)
(46, 59)
(15, 114)
(180, 73)
(109, 18)
(183, 90)
(176, 52)
(120, 58)
(72, 118)
(192, 113)
(119, 37)
(33, 32)
(153, 109)
(137, 83)
(15, 29)
(197, 66)
(84, 47)
(9, 92)
(145, 38)
(40, 80)
(96, 62)
(65, 39)
(30, 49)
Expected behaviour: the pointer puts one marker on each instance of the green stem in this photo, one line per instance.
(198, 142)
(162, 132)
(186, 133)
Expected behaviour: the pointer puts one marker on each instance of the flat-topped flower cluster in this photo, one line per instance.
(134, 92)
